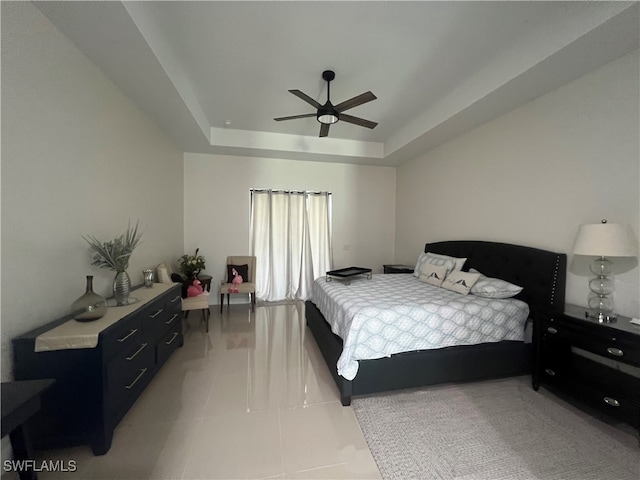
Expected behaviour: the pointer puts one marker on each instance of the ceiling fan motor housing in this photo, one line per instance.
(327, 114)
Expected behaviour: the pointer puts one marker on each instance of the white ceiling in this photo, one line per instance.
(437, 68)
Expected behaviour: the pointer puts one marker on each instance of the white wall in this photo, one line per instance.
(532, 176)
(77, 158)
(217, 206)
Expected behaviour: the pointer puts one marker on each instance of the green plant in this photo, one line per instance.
(191, 265)
(115, 254)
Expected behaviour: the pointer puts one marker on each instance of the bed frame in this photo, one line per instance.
(542, 274)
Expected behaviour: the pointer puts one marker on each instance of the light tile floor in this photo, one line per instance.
(252, 398)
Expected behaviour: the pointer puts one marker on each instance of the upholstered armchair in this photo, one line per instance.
(239, 266)
(199, 302)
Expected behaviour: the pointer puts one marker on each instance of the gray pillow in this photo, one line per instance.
(488, 287)
(433, 259)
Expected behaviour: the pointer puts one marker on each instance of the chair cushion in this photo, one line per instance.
(196, 303)
(243, 271)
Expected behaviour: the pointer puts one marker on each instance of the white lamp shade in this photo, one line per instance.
(606, 240)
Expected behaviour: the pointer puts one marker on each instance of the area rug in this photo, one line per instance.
(493, 430)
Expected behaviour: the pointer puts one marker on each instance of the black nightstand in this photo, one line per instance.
(597, 363)
(398, 269)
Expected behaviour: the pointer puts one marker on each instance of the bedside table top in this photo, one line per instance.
(622, 323)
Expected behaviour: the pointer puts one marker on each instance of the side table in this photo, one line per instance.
(205, 280)
(20, 401)
(596, 363)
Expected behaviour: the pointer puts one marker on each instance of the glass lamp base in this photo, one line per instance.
(601, 317)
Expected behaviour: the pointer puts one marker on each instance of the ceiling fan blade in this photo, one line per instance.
(355, 101)
(306, 98)
(357, 121)
(293, 117)
(324, 130)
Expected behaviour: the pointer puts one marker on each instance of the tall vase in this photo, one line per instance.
(89, 306)
(121, 288)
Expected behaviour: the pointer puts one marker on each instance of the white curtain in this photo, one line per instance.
(291, 240)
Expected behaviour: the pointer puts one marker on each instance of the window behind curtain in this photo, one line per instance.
(291, 239)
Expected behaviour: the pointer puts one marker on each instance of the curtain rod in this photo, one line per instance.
(266, 190)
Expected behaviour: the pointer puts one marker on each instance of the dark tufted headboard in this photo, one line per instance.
(541, 273)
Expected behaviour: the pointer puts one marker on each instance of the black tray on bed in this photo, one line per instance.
(345, 274)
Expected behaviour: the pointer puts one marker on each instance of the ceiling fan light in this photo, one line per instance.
(328, 116)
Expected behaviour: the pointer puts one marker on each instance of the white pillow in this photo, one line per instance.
(431, 259)
(459, 262)
(433, 274)
(488, 287)
(460, 282)
(163, 274)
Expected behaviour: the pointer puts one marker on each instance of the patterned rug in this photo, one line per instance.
(493, 430)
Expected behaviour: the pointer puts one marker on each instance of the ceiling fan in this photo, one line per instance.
(328, 114)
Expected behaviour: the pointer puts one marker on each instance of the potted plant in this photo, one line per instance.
(191, 265)
(114, 255)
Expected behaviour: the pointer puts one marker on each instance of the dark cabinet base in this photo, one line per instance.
(598, 365)
(96, 387)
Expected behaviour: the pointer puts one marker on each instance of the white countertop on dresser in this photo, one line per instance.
(74, 334)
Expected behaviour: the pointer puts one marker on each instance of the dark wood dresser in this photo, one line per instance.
(597, 363)
(100, 367)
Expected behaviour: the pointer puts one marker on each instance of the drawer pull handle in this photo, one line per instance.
(175, 334)
(550, 372)
(142, 372)
(128, 335)
(175, 299)
(156, 314)
(142, 347)
(551, 330)
(612, 401)
(615, 351)
(171, 319)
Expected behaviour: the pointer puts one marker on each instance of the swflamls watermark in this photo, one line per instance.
(40, 465)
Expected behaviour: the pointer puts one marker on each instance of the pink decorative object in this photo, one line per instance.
(194, 289)
(237, 280)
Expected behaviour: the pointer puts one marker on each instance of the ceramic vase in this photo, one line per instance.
(89, 306)
(121, 288)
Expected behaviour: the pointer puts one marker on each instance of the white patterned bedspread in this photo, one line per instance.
(398, 313)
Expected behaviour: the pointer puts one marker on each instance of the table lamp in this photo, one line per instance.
(604, 240)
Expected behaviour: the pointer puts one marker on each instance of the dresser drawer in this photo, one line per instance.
(613, 347)
(171, 341)
(597, 339)
(122, 337)
(154, 317)
(615, 404)
(122, 370)
(174, 301)
(128, 372)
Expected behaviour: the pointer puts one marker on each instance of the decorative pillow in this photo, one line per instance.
(243, 271)
(459, 262)
(433, 274)
(460, 282)
(177, 278)
(163, 274)
(429, 258)
(488, 287)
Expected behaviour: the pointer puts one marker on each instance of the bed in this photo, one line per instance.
(542, 275)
